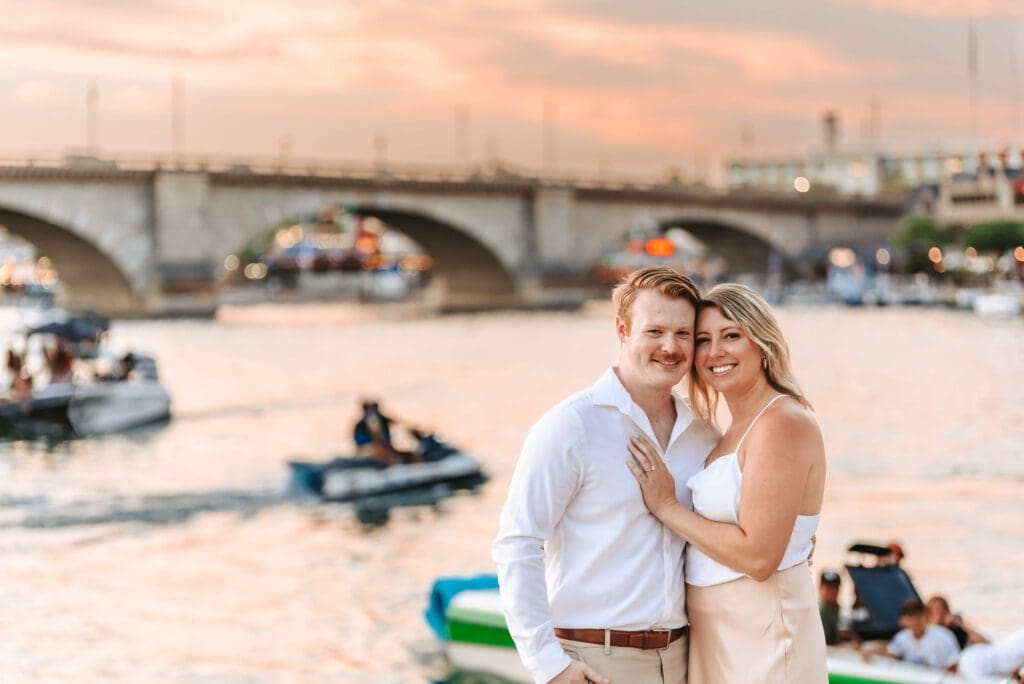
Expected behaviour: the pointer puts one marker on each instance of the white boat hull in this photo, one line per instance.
(111, 407)
(997, 305)
(483, 608)
(360, 482)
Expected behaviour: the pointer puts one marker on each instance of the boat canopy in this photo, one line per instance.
(881, 589)
(77, 329)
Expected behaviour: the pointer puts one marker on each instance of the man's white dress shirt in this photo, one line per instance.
(576, 547)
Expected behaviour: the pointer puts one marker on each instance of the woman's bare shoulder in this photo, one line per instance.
(787, 423)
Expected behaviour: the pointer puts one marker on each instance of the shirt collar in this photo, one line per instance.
(609, 391)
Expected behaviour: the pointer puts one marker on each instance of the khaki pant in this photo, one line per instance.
(624, 665)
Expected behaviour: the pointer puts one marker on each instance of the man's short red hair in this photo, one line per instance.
(667, 281)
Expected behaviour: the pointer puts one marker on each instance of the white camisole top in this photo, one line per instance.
(716, 496)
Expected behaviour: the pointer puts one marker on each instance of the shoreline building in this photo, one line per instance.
(869, 170)
(868, 173)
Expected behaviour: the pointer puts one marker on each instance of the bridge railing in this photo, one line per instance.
(501, 171)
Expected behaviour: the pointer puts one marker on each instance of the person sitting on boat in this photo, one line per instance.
(20, 387)
(428, 447)
(828, 605)
(896, 555)
(119, 368)
(920, 643)
(61, 362)
(1000, 658)
(126, 365)
(940, 614)
(372, 435)
(372, 426)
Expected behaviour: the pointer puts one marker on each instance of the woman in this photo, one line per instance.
(750, 598)
(20, 387)
(62, 363)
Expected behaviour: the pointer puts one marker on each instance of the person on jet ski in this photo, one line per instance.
(428, 447)
(372, 435)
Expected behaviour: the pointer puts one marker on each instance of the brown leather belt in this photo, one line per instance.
(648, 640)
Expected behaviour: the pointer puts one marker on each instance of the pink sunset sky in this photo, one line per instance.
(636, 86)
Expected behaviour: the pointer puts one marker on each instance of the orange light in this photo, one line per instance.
(660, 247)
(367, 244)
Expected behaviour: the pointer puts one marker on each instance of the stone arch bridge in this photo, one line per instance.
(125, 236)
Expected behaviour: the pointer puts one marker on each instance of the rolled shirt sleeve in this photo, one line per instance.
(547, 476)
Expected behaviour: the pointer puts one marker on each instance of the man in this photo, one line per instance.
(591, 583)
(896, 554)
(828, 605)
(920, 643)
(372, 435)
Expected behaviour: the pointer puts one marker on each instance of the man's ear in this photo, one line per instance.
(621, 328)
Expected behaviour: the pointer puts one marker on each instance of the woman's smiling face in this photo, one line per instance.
(725, 357)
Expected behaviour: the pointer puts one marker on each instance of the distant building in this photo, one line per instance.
(996, 194)
(866, 173)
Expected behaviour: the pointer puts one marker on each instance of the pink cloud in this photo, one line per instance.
(941, 8)
(624, 88)
(37, 93)
(760, 56)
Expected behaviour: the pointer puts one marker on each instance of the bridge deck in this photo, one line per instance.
(326, 173)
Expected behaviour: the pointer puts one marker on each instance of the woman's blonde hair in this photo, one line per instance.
(751, 313)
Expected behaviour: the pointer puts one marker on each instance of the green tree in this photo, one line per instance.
(919, 234)
(995, 236)
(920, 231)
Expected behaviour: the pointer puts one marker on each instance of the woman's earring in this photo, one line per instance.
(764, 361)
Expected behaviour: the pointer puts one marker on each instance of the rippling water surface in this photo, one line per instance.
(170, 555)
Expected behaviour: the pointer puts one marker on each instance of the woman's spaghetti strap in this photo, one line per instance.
(763, 409)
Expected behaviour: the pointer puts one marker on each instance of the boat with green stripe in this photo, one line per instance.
(477, 641)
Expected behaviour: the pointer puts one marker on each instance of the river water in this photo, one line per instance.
(170, 554)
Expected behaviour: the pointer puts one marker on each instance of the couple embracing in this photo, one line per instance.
(638, 543)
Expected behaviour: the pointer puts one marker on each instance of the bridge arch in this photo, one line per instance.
(468, 268)
(89, 276)
(465, 263)
(746, 249)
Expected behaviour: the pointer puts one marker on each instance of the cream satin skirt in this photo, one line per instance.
(760, 632)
